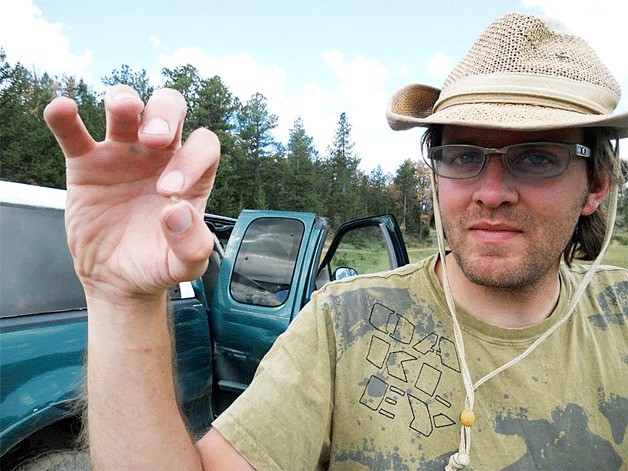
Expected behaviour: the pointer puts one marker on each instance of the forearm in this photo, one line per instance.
(133, 419)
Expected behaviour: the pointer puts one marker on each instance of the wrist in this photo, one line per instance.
(122, 295)
(122, 304)
(129, 324)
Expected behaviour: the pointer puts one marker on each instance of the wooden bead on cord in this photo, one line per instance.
(467, 417)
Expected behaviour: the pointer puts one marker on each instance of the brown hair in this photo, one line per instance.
(588, 236)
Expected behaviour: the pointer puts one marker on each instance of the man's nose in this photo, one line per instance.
(495, 184)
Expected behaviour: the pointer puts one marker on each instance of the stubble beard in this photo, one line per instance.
(491, 267)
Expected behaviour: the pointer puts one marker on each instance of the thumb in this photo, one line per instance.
(189, 239)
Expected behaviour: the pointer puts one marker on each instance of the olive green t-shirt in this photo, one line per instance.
(368, 377)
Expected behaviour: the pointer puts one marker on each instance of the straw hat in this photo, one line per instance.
(522, 73)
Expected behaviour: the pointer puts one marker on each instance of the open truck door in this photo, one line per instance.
(362, 246)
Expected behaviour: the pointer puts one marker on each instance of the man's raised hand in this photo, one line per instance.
(128, 237)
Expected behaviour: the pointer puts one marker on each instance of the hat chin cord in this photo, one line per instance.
(461, 459)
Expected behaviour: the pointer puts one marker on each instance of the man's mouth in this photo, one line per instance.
(495, 227)
(491, 232)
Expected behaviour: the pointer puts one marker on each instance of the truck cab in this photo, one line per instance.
(264, 269)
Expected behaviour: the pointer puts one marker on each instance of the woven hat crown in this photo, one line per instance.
(526, 44)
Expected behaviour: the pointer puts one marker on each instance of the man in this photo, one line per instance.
(394, 370)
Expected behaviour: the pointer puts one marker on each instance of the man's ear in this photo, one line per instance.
(598, 193)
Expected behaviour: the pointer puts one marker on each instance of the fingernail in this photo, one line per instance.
(172, 181)
(123, 96)
(156, 126)
(179, 220)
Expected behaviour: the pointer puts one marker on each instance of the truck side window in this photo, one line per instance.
(37, 273)
(263, 270)
(363, 250)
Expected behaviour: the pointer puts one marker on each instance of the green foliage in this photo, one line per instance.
(412, 197)
(296, 171)
(255, 170)
(255, 125)
(211, 105)
(377, 196)
(621, 238)
(28, 151)
(135, 79)
(341, 176)
(255, 153)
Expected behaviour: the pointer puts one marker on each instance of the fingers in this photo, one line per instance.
(190, 172)
(123, 107)
(160, 124)
(189, 238)
(194, 165)
(62, 118)
(162, 120)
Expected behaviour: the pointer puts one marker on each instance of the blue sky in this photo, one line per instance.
(310, 59)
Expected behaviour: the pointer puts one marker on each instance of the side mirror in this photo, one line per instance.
(343, 272)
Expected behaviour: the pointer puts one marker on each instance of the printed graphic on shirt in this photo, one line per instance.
(409, 385)
(407, 371)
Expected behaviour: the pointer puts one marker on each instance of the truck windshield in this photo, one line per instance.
(263, 270)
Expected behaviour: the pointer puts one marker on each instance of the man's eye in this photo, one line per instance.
(466, 158)
(535, 159)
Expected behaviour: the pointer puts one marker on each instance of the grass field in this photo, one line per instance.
(617, 255)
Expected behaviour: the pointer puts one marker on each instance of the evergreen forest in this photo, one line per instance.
(255, 171)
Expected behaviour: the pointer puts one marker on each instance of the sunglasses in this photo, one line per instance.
(534, 160)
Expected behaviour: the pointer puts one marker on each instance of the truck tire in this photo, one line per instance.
(57, 460)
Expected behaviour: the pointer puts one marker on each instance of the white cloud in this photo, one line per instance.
(155, 41)
(241, 73)
(439, 66)
(359, 91)
(28, 38)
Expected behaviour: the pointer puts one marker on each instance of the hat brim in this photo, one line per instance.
(412, 107)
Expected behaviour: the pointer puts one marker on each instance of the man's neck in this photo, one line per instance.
(504, 307)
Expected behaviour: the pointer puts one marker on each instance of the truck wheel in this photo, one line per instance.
(57, 460)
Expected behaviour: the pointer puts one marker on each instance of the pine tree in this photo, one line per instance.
(341, 169)
(406, 189)
(424, 196)
(211, 105)
(255, 124)
(377, 195)
(301, 185)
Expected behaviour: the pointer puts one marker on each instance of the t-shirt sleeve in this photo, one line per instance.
(283, 419)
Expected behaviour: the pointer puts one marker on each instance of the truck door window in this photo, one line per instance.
(263, 270)
(362, 251)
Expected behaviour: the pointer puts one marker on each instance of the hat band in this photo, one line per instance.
(529, 89)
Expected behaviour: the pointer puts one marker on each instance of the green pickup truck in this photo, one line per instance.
(264, 268)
